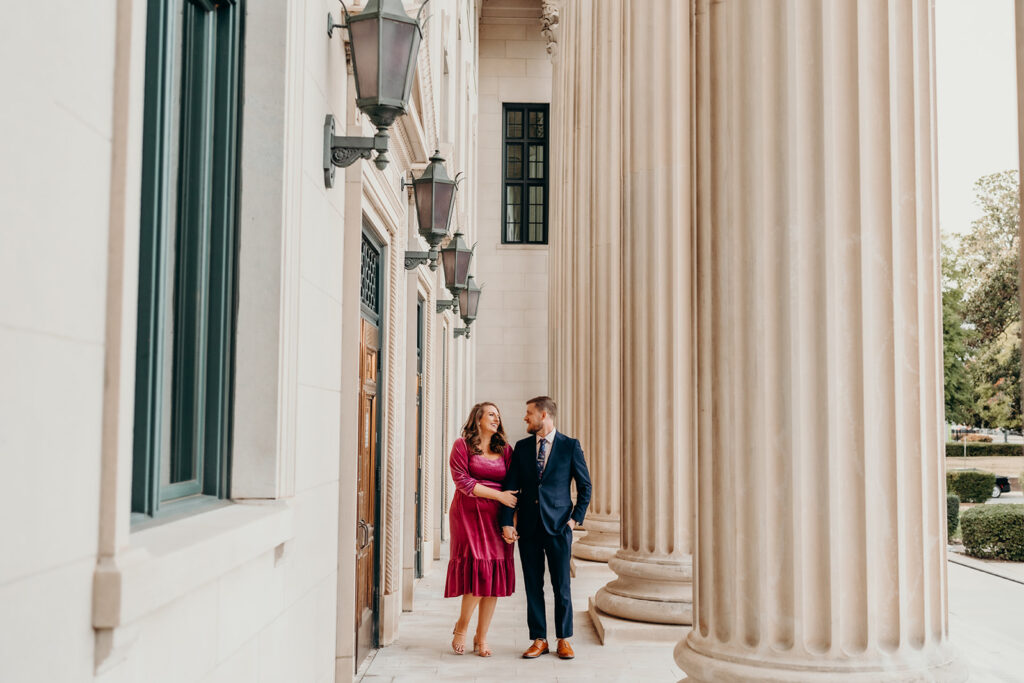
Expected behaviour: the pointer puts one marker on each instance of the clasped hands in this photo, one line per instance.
(510, 535)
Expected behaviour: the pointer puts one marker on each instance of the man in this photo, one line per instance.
(541, 469)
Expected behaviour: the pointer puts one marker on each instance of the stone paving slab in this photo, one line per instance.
(986, 627)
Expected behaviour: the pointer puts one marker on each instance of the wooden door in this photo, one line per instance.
(366, 524)
(419, 437)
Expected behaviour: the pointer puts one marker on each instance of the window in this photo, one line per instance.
(185, 336)
(525, 174)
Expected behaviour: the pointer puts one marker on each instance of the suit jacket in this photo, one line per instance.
(547, 498)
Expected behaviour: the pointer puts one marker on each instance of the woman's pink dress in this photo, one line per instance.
(481, 562)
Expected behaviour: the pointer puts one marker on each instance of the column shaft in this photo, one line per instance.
(599, 405)
(820, 534)
(654, 564)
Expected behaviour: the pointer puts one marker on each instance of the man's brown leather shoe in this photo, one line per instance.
(565, 649)
(539, 647)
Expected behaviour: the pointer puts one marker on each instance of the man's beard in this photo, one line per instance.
(530, 429)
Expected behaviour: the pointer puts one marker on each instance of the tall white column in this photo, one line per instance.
(654, 562)
(601, 253)
(821, 524)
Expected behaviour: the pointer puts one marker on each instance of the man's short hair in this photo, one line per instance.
(546, 404)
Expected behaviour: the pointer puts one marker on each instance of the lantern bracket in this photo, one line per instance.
(461, 332)
(343, 151)
(421, 258)
(448, 305)
(330, 22)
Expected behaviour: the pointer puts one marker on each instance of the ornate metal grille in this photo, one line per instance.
(369, 289)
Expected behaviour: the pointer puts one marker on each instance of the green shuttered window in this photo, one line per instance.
(524, 170)
(188, 247)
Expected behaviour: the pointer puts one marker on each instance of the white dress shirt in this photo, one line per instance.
(550, 438)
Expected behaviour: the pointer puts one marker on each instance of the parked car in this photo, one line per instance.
(1002, 486)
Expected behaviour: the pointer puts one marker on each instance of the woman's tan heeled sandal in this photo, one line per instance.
(481, 648)
(459, 648)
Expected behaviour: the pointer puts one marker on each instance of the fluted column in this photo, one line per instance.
(820, 514)
(654, 562)
(601, 253)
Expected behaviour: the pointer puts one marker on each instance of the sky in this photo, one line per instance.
(976, 101)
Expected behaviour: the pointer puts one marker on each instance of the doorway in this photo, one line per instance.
(368, 490)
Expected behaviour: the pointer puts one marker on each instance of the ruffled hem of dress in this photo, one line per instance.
(484, 578)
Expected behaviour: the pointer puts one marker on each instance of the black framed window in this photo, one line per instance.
(524, 172)
(187, 255)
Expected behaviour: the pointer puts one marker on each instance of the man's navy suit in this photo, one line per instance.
(545, 507)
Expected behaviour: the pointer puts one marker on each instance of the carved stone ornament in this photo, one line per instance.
(549, 25)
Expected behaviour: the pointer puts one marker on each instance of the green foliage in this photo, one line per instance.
(981, 311)
(952, 514)
(955, 449)
(973, 486)
(994, 531)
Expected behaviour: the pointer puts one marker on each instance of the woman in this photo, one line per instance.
(481, 568)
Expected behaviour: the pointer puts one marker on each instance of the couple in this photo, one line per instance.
(492, 480)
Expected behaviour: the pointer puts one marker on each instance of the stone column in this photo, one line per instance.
(654, 562)
(601, 252)
(820, 542)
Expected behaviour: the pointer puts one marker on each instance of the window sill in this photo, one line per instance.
(168, 561)
(524, 247)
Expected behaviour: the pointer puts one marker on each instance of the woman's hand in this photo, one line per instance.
(508, 498)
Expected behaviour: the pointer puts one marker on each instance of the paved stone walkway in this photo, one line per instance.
(986, 622)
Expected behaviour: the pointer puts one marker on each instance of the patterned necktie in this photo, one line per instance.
(540, 457)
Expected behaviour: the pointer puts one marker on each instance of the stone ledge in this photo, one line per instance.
(613, 631)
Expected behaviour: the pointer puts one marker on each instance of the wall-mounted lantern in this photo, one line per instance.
(434, 193)
(455, 260)
(469, 301)
(384, 42)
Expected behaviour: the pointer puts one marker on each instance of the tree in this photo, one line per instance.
(986, 260)
(958, 389)
(996, 378)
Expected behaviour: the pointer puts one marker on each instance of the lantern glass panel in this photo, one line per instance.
(462, 261)
(443, 194)
(448, 261)
(473, 301)
(464, 301)
(423, 192)
(364, 56)
(397, 38)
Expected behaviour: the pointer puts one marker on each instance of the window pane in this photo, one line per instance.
(536, 214)
(536, 162)
(513, 124)
(513, 161)
(536, 124)
(513, 213)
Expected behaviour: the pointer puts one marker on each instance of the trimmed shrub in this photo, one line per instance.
(952, 514)
(973, 486)
(994, 531)
(955, 449)
(978, 438)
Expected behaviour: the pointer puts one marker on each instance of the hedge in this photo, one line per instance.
(973, 486)
(955, 449)
(952, 514)
(994, 531)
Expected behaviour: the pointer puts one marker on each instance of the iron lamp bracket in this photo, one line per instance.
(421, 258)
(448, 305)
(461, 332)
(343, 151)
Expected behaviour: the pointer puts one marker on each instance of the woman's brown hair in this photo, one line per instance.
(471, 432)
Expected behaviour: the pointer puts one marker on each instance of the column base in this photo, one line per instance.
(649, 589)
(614, 631)
(933, 665)
(601, 541)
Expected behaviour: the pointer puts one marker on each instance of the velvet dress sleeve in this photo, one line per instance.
(458, 462)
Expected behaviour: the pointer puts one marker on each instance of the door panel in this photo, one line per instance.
(366, 523)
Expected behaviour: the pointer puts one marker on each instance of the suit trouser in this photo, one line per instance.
(532, 550)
